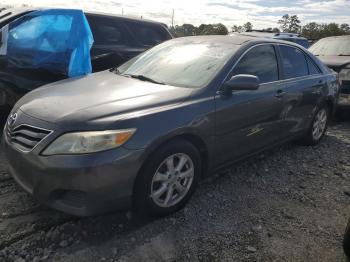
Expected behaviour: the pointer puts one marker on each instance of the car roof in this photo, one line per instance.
(236, 39)
(124, 17)
(269, 34)
(18, 11)
(339, 36)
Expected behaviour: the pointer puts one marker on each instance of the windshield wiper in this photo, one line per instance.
(145, 78)
(344, 55)
(115, 70)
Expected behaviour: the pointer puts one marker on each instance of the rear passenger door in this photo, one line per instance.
(303, 83)
(113, 43)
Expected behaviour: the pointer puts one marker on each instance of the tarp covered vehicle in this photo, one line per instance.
(42, 47)
(116, 40)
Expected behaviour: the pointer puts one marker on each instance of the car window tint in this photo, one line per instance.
(108, 31)
(302, 42)
(313, 69)
(294, 62)
(147, 34)
(261, 62)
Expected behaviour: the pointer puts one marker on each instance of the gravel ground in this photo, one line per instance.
(288, 204)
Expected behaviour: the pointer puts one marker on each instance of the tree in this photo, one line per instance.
(345, 28)
(242, 28)
(212, 29)
(284, 22)
(311, 30)
(248, 26)
(316, 31)
(275, 30)
(237, 28)
(183, 30)
(220, 29)
(188, 29)
(331, 29)
(289, 24)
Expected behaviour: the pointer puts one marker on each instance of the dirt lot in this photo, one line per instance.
(288, 204)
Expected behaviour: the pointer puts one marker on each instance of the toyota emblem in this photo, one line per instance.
(12, 119)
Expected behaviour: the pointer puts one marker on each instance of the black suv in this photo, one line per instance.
(116, 40)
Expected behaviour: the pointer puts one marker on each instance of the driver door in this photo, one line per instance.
(248, 121)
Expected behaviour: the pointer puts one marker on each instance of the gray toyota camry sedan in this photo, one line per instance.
(145, 133)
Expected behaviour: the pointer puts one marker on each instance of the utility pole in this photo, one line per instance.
(122, 11)
(172, 19)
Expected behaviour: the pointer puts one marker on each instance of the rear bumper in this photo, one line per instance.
(82, 185)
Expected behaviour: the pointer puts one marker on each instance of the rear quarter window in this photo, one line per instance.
(313, 68)
(148, 34)
(302, 42)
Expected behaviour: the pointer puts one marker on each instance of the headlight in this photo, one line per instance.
(88, 142)
(344, 74)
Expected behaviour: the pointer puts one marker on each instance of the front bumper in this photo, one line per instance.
(81, 185)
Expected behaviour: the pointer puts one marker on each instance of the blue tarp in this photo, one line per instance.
(58, 40)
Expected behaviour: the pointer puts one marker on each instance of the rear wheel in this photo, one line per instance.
(168, 179)
(346, 241)
(318, 126)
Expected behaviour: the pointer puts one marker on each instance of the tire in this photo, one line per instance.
(148, 197)
(346, 241)
(312, 136)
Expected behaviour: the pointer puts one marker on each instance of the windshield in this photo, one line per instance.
(332, 46)
(186, 64)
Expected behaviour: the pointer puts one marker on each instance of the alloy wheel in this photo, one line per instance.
(320, 124)
(172, 180)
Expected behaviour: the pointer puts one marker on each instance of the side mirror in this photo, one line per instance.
(241, 82)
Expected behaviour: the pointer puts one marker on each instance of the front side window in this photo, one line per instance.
(294, 62)
(184, 63)
(261, 61)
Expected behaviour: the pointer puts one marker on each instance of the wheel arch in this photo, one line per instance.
(196, 140)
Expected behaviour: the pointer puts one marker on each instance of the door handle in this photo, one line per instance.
(280, 93)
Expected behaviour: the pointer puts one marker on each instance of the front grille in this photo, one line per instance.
(25, 137)
(72, 198)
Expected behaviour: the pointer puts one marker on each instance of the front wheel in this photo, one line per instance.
(168, 179)
(318, 126)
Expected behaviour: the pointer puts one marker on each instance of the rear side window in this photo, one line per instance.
(294, 62)
(313, 69)
(304, 43)
(260, 61)
(108, 31)
(148, 34)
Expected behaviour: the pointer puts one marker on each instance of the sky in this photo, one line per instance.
(261, 14)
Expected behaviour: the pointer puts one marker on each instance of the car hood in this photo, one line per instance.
(335, 61)
(98, 97)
